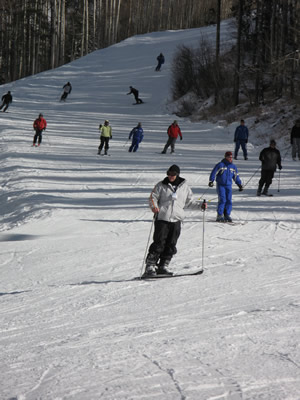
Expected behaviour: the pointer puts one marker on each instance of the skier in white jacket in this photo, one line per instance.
(167, 201)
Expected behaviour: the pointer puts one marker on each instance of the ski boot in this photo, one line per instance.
(265, 191)
(259, 189)
(150, 265)
(220, 218)
(162, 268)
(227, 218)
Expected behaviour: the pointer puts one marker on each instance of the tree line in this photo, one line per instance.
(263, 66)
(38, 35)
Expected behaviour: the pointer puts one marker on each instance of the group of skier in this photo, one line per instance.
(171, 195)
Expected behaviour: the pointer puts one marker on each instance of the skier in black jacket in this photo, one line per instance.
(6, 100)
(295, 140)
(135, 92)
(270, 157)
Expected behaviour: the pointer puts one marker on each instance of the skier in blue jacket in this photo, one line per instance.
(137, 135)
(241, 139)
(224, 173)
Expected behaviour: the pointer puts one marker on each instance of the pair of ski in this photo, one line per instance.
(176, 275)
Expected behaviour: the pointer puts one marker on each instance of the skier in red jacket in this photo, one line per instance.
(39, 126)
(173, 132)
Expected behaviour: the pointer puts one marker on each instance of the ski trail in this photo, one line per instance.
(171, 373)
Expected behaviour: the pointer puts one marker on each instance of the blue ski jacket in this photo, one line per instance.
(241, 133)
(137, 133)
(224, 173)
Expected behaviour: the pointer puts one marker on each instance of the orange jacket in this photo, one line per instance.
(174, 131)
(40, 124)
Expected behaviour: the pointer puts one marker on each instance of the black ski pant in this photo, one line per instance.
(266, 179)
(4, 104)
(171, 142)
(64, 96)
(165, 239)
(104, 142)
(138, 101)
(37, 137)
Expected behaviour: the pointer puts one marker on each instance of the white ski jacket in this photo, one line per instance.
(172, 200)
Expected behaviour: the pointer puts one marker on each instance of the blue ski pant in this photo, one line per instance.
(134, 145)
(224, 199)
(239, 143)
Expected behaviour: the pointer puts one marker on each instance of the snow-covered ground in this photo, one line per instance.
(74, 229)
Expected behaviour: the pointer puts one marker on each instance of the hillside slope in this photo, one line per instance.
(74, 229)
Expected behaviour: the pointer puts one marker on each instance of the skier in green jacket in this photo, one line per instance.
(106, 134)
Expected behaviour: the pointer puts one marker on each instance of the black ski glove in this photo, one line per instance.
(240, 188)
(280, 167)
(180, 138)
(203, 205)
(210, 184)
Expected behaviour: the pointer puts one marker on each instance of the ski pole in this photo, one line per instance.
(278, 190)
(147, 246)
(252, 176)
(48, 140)
(203, 208)
(203, 193)
(125, 142)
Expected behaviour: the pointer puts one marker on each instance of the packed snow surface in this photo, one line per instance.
(75, 324)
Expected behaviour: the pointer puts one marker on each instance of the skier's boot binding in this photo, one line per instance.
(163, 268)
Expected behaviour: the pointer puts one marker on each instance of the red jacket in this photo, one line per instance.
(174, 131)
(40, 124)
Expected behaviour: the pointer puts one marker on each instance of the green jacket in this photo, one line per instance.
(105, 131)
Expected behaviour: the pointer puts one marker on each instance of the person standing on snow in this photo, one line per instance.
(160, 60)
(269, 157)
(241, 139)
(224, 173)
(6, 100)
(67, 88)
(167, 201)
(173, 132)
(295, 140)
(135, 92)
(137, 135)
(105, 136)
(39, 125)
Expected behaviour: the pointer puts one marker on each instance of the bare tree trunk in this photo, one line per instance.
(238, 55)
(218, 51)
(258, 63)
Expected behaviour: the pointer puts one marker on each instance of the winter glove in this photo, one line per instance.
(240, 188)
(234, 140)
(246, 140)
(100, 126)
(180, 137)
(280, 167)
(210, 184)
